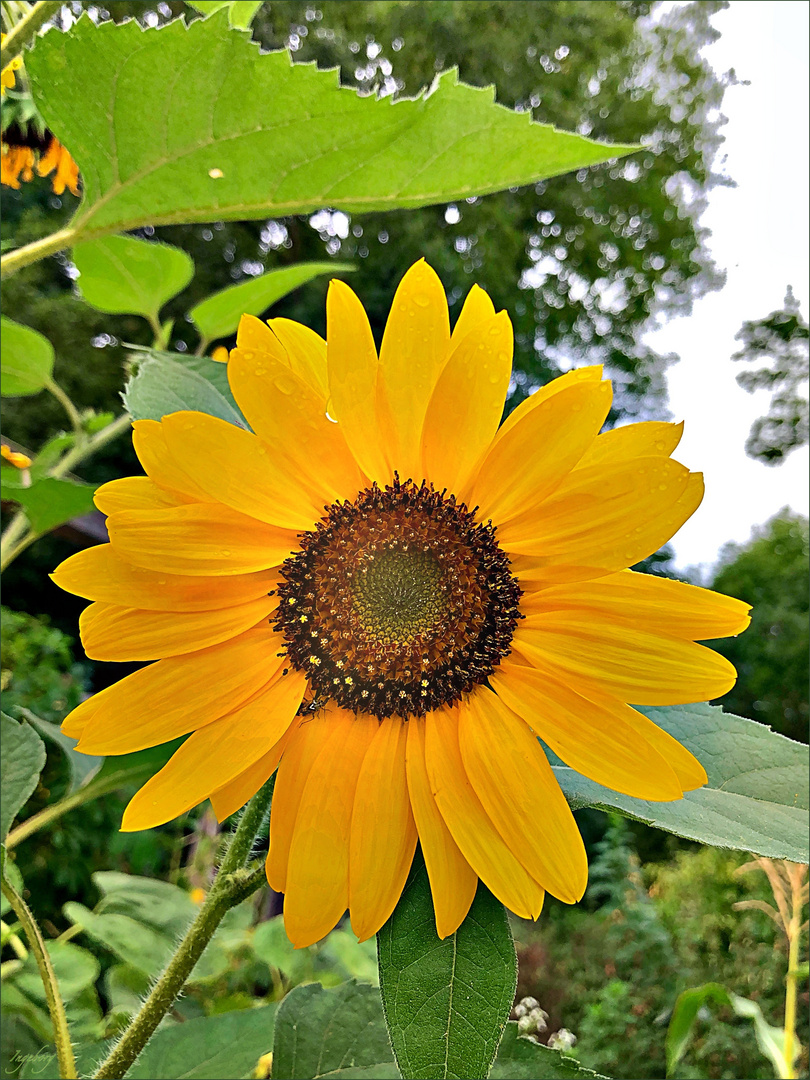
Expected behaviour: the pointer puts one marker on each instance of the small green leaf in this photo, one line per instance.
(521, 1059)
(51, 502)
(241, 12)
(124, 275)
(337, 1033)
(82, 767)
(132, 941)
(159, 904)
(446, 1002)
(155, 148)
(161, 386)
(75, 969)
(27, 360)
(218, 316)
(756, 798)
(21, 762)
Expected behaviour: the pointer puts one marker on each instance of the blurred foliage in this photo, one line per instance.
(780, 341)
(771, 657)
(38, 669)
(612, 974)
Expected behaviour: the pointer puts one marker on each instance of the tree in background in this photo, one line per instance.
(771, 657)
(780, 341)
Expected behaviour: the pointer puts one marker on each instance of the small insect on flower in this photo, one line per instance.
(392, 604)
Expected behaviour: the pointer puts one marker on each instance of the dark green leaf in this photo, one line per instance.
(120, 274)
(213, 371)
(51, 502)
(161, 386)
(446, 1002)
(337, 1033)
(159, 904)
(21, 761)
(27, 360)
(218, 316)
(521, 1059)
(82, 767)
(756, 797)
(240, 12)
(156, 148)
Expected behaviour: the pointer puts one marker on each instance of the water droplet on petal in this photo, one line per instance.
(225, 553)
(284, 386)
(421, 299)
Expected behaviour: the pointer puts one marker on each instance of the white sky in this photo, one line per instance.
(760, 237)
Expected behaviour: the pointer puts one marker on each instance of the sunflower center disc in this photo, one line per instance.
(398, 602)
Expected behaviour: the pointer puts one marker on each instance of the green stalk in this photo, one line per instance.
(27, 28)
(64, 1050)
(73, 413)
(233, 884)
(15, 260)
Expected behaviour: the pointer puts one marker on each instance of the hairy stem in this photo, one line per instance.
(15, 260)
(794, 934)
(64, 1050)
(26, 29)
(233, 884)
(63, 399)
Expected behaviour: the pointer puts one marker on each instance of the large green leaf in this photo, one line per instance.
(182, 124)
(206, 1048)
(162, 385)
(446, 1002)
(127, 275)
(339, 1033)
(218, 316)
(756, 798)
(21, 761)
(27, 359)
(51, 502)
(521, 1059)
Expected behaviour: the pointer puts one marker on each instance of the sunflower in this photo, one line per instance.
(26, 146)
(389, 596)
(7, 75)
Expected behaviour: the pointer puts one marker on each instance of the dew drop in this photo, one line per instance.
(660, 446)
(248, 354)
(421, 300)
(284, 386)
(225, 553)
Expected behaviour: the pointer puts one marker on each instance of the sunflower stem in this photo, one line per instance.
(33, 252)
(64, 1049)
(27, 28)
(234, 883)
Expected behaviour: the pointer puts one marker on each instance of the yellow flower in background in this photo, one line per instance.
(13, 457)
(23, 151)
(220, 354)
(67, 171)
(16, 163)
(388, 595)
(7, 78)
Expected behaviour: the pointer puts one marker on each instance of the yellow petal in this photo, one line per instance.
(306, 351)
(100, 573)
(598, 739)
(172, 697)
(198, 540)
(477, 308)
(135, 493)
(383, 833)
(550, 390)
(112, 632)
(471, 828)
(234, 467)
(467, 403)
(513, 779)
(650, 603)
(149, 441)
(635, 665)
(216, 754)
(290, 417)
(452, 880)
(353, 371)
(414, 347)
(651, 438)
(317, 891)
(233, 795)
(536, 455)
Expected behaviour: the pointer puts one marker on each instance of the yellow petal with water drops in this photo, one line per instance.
(413, 350)
(169, 698)
(597, 739)
(120, 634)
(100, 573)
(149, 441)
(550, 390)
(290, 417)
(353, 370)
(216, 754)
(306, 351)
(136, 493)
(198, 540)
(317, 888)
(467, 403)
(477, 308)
(650, 438)
(453, 881)
(471, 827)
(237, 469)
(635, 665)
(513, 779)
(383, 833)
(650, 603)
(536, 455)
